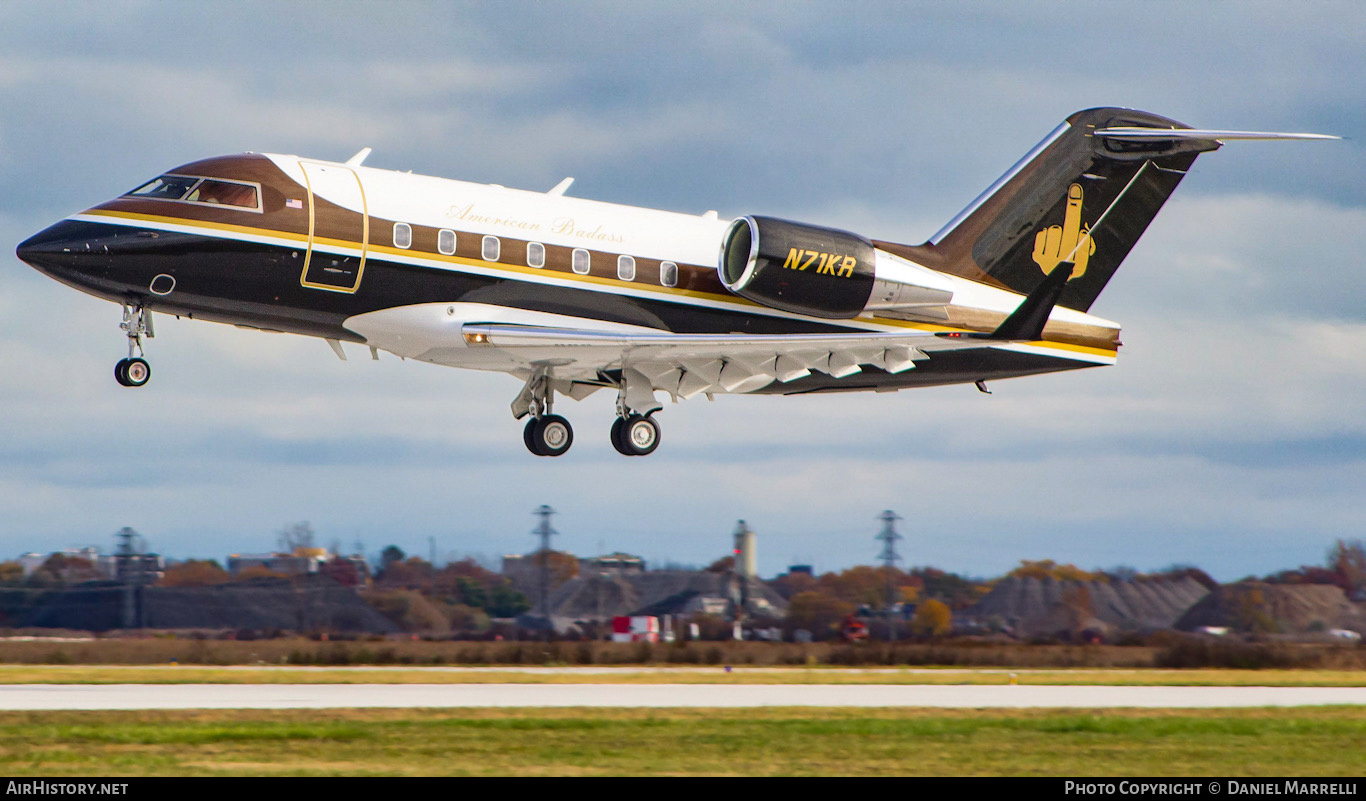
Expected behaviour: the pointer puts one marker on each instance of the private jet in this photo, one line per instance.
(571, 296)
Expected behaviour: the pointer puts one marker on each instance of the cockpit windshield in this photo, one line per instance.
(202, 191)
(167, 187)
(225, 192)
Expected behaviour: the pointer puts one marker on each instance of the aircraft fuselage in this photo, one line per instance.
(325, 249)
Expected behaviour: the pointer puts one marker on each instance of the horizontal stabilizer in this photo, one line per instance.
(1135, 134)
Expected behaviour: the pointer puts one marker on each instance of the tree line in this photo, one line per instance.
(464, 596)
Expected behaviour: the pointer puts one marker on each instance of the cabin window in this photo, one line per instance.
(580, 261)
(668, 273)
(626, 268)
(445, 242)
(492, 248)
(535, 254)
(403, 235)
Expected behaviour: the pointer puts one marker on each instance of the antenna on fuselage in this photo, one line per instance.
(561, 187)
(356, 160)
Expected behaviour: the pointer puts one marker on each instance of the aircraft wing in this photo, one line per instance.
(685, 365)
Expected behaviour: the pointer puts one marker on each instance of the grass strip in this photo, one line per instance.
(1328, 741)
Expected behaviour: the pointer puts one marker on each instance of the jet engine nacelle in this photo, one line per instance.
(807, 269)
(821, 272)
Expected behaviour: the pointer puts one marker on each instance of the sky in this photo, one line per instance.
(1230, 436)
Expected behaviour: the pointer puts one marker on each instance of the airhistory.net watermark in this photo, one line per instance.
(40, 787)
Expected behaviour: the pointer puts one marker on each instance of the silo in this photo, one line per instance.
(746, 551)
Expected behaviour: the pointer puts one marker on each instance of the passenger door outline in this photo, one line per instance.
(341, 267)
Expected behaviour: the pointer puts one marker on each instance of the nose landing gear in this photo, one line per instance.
(134, 371)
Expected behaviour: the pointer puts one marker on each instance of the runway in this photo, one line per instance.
(355, 696)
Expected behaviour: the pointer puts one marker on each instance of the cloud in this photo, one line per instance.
(1229, 435)
(1229, 256)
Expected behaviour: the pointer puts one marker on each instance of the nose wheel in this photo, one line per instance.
(134, 371)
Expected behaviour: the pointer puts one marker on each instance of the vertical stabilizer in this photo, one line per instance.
(1077, 198)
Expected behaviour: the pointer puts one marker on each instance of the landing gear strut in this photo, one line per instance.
(635, 432)
(134, 371)
(545, 434)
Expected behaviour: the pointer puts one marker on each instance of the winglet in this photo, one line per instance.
(1027, 321)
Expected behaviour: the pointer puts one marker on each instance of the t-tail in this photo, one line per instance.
(1083, 196)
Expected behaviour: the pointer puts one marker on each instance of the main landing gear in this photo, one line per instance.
(635, 435)
(134, 371)
(547, 434)
(551, 435)
(635, 432)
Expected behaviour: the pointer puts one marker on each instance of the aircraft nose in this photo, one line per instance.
(36, 247)
(62, 249)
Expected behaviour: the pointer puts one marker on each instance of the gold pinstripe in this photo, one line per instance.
(666, 292)
(364, 233)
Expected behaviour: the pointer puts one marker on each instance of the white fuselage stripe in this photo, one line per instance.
(530, 275)
(459, 265)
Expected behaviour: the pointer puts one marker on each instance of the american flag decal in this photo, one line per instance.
(294, 203)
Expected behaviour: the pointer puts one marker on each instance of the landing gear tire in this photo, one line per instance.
(548, 435)
(132, 372)
(636, 435)
(529, 437)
